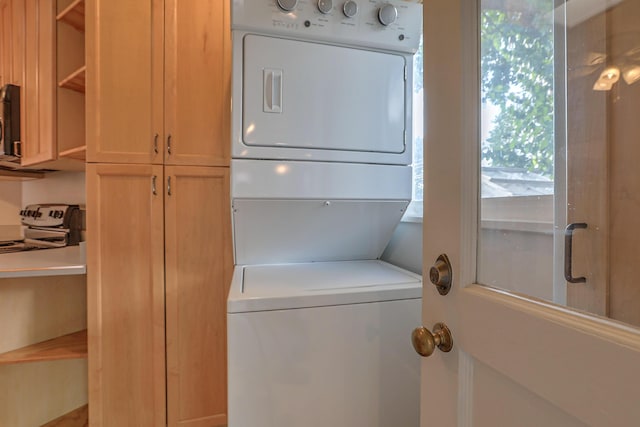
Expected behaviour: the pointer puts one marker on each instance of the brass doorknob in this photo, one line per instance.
(425, 342)
(440, 274)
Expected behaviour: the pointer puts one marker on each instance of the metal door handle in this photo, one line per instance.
(568, 249)
(153, 185)
(440, 274)
(424, 342)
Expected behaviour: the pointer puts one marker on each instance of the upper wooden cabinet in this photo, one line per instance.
(39, 93)
(12, 29)
(158, 78)
(53, 115)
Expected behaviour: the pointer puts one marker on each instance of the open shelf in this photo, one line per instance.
(71, 346)
(19, 175)
(77, 153)
(76, 418)
(75, 81)
(73, 15)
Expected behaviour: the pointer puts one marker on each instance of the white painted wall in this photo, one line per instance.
(10, 202)
(57, 187)
(405, 247)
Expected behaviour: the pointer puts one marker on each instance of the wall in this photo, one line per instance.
(37, 309)
(405, 247)
(10, 202)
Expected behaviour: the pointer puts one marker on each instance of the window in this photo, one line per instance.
(414, 212)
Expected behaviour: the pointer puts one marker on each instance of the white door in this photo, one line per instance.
(521, 355)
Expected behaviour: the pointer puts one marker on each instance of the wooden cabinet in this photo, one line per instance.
(161, 74)
(54, 117)
(198, 271)
(41, 45)
(158, 104)
(125, 296)
(12, 30)
(148, 234)
(39, 119)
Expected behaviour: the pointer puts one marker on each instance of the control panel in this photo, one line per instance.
(387, 24)
(48, 215)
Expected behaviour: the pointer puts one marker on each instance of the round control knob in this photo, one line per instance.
(287, 5)
(325, 6)
(350, 8)
(387, 14)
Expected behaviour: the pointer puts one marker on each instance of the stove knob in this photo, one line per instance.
(287, 5)
(350, 9)
(387, 14)
(325, 6)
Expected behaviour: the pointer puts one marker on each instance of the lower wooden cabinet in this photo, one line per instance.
(159, 265)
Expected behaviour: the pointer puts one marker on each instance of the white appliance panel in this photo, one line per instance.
(283, 231)
(267, 179)
(306, 21)
(285, 286)
(340, 366)
(306, 95)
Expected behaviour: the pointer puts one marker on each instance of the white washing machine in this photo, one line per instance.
(318, 327)
(323, 344)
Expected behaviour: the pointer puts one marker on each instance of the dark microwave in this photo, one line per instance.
(9, 122)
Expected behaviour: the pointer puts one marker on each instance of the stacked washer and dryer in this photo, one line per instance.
(318, 326)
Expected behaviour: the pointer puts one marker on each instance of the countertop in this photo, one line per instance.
(45, 262)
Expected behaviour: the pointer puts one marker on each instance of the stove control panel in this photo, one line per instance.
(48, 215)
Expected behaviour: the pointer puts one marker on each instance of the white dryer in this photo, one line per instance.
(318, 327)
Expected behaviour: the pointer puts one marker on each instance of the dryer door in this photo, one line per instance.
(305, 100)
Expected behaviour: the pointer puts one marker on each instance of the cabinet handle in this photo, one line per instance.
(153, 185)
(155, 143)
(168, 186)
(169, 144)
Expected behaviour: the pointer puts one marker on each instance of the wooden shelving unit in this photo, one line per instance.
(75, 81)
(73, 15)
(71, 76)
(19, 175)
(71, 346)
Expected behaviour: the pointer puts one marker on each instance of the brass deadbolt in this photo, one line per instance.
(441, 275)
(425, 342)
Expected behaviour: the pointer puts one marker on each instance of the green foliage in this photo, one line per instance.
(517, 77)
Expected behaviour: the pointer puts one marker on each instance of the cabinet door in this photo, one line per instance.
(39, 93)
(124, 55)
(198, 273)
(11, 42)
(197, 82)
(125, 279)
